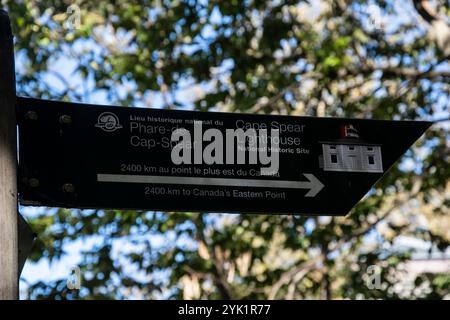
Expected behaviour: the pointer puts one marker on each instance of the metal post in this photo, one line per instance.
(8, 165)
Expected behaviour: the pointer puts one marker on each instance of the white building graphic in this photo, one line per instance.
(350, 154)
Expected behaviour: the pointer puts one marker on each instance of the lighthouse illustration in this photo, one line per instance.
(350, 153)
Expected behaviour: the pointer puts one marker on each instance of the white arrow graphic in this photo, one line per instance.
(313, 184)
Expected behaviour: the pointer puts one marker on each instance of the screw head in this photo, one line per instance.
(31, 115)
(68, 188)
(65, 119)
(33, 182)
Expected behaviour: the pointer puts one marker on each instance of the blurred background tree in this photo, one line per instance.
(366, 59)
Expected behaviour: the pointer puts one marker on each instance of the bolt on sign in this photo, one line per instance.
(89, 156)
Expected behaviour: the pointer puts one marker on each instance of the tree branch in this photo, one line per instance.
(260, 107)
(298, 273)
(424, 10)
(414, 73)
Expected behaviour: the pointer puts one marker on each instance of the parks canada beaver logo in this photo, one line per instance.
(108, 122)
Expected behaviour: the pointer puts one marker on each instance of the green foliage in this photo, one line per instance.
(284, 57)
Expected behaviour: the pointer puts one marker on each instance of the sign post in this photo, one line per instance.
(8, 165)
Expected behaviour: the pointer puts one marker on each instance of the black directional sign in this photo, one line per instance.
(90, 156)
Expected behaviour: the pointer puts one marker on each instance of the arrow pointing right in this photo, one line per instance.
(315, 185)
